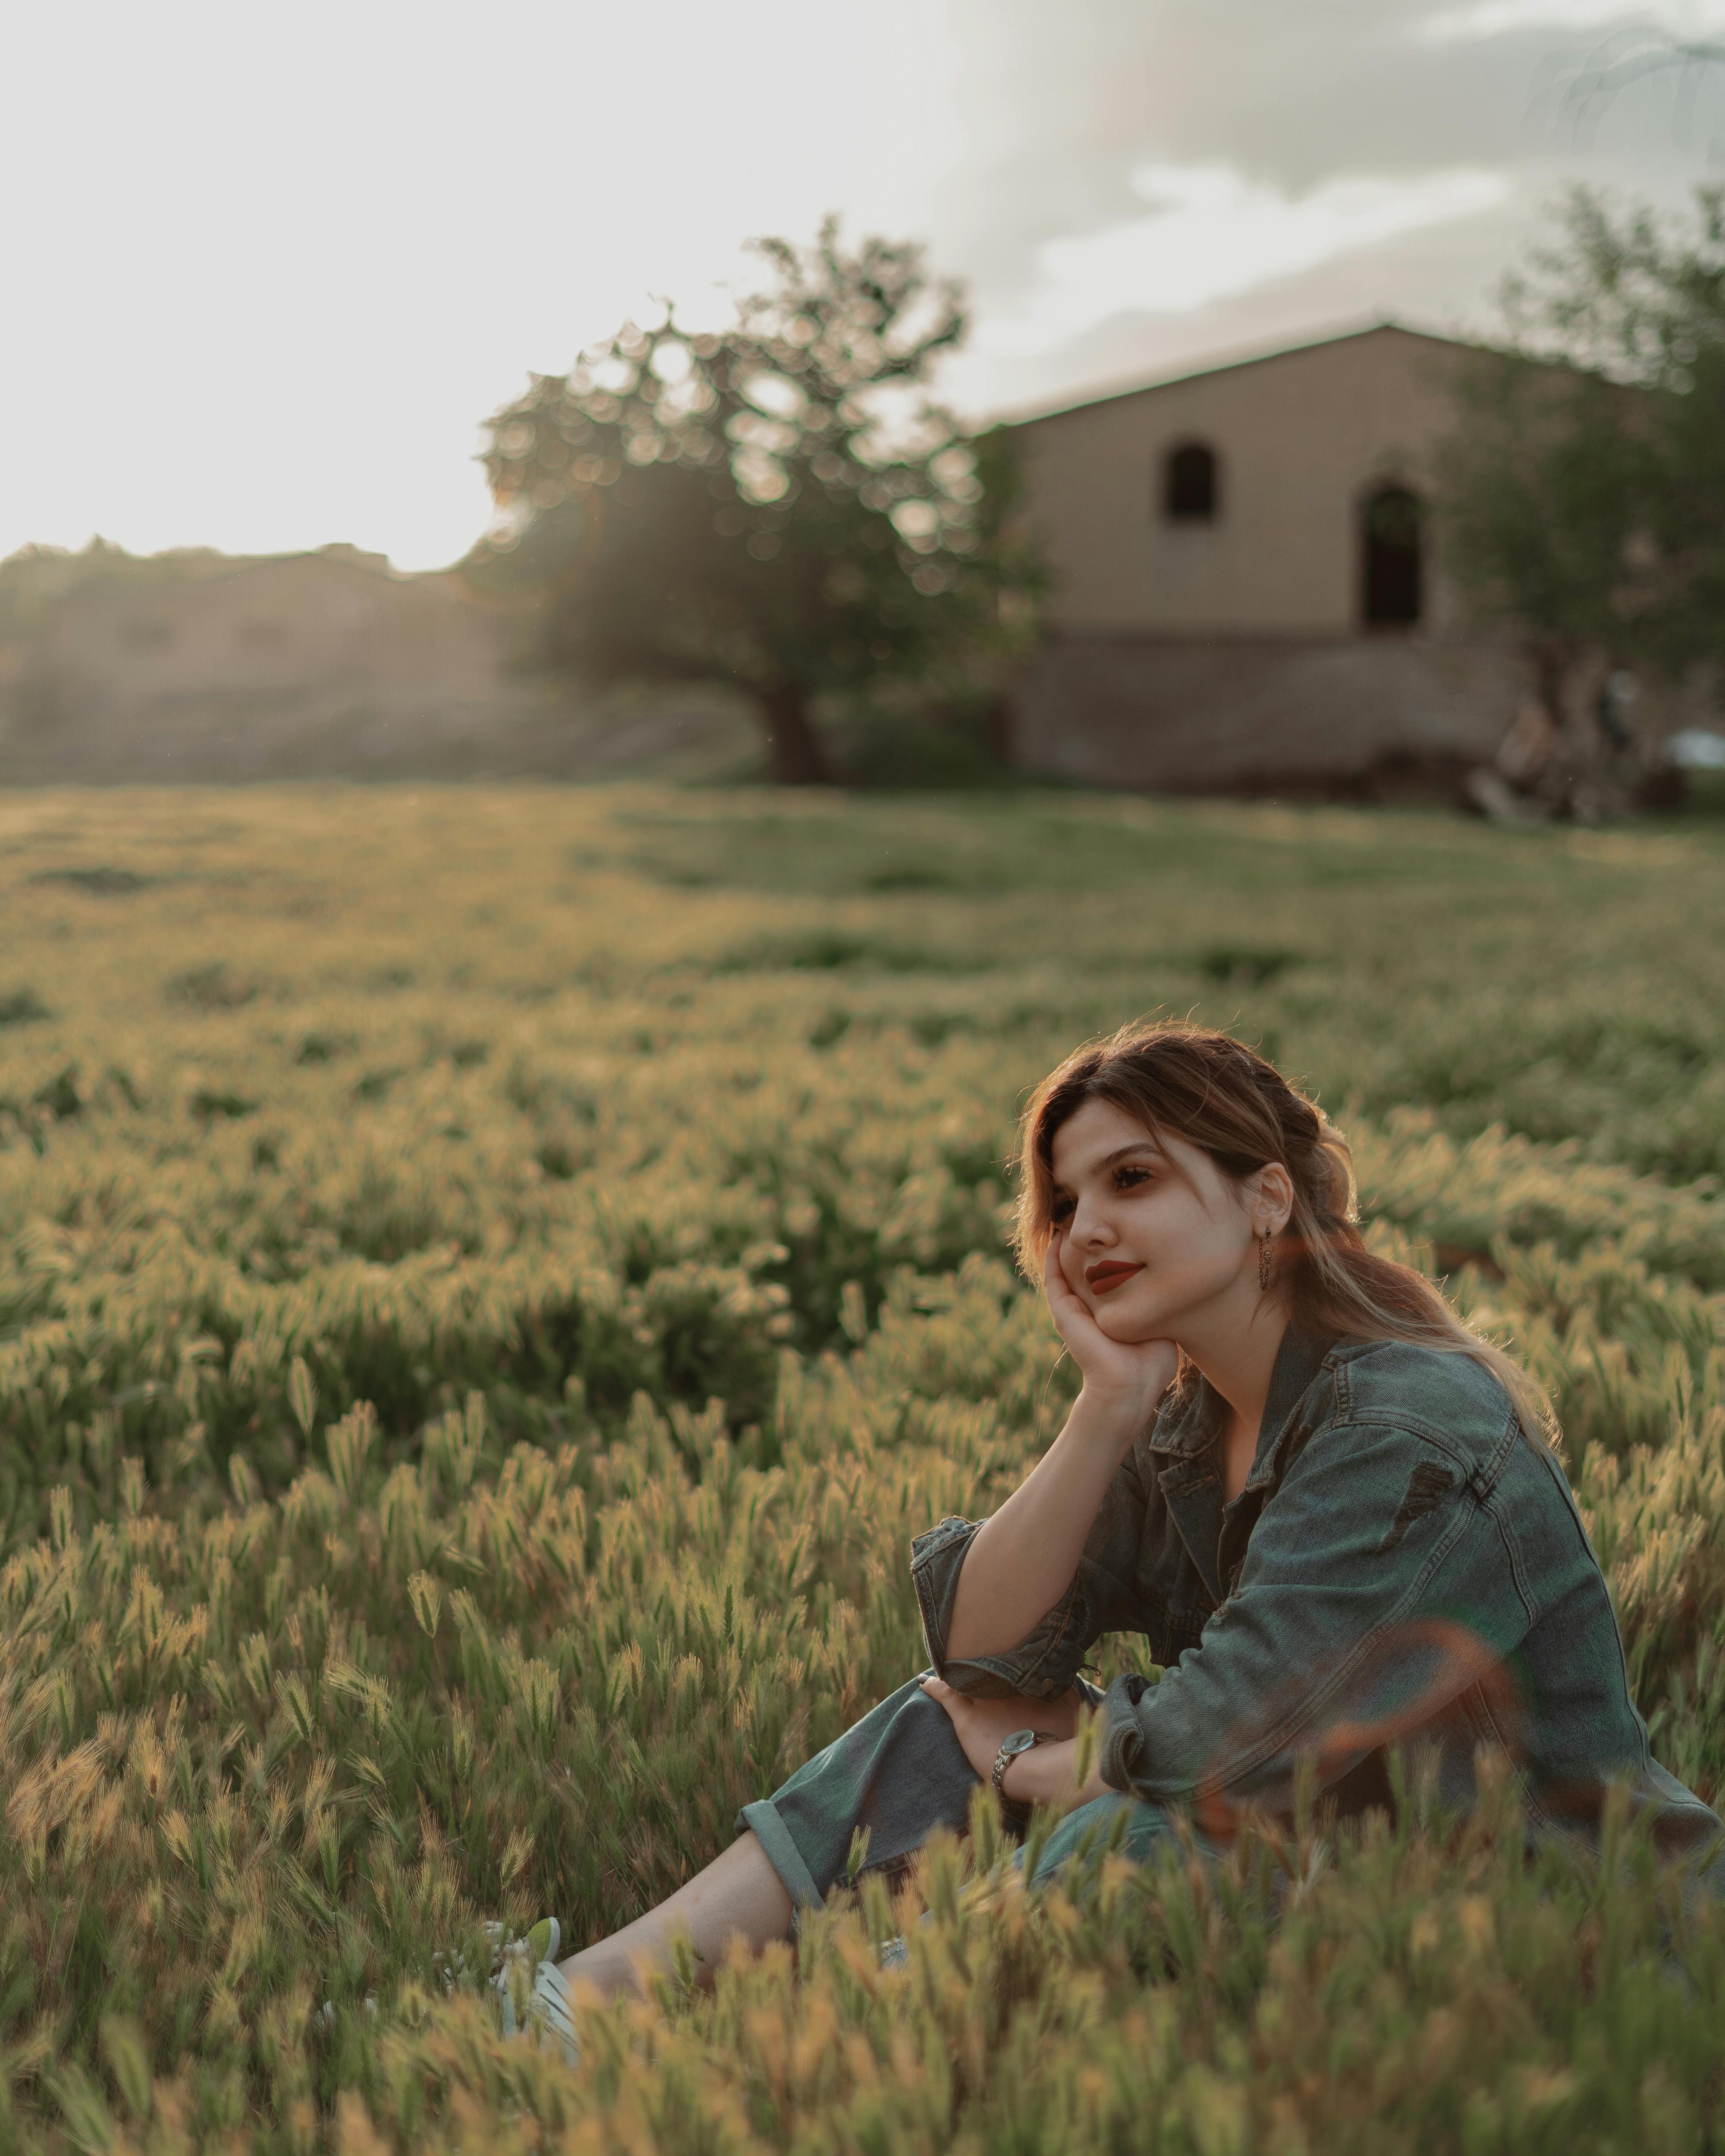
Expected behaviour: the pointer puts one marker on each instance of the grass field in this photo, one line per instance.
(491, 1280)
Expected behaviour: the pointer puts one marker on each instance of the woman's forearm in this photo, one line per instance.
(1021, 1561)
(1048, 1775)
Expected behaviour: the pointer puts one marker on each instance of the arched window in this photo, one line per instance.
(1390, 567)
(1189, 484)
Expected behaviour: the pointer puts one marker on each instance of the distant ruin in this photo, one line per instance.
(203, 667)
(1246, 593)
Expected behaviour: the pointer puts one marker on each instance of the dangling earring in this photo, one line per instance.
(1264, 1262)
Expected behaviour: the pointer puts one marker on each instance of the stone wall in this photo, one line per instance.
(1197, 715)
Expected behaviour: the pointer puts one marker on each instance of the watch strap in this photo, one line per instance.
(1003, 1759)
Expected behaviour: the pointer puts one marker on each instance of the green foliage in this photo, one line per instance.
(777, 506)
(1582, 499)
(450, 1498)
(1540, 488)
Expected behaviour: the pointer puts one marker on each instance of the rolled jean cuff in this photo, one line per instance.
(763, 1819)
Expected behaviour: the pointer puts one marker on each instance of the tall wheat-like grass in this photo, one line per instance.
(491, 1282)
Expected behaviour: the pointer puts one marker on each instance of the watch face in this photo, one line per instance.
(1021, 1740)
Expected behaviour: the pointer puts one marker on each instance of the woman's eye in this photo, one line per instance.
(1061, 1211)
(1129, 1178)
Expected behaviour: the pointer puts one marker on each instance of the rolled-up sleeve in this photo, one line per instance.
(1374, 1593)
(1044, 1663)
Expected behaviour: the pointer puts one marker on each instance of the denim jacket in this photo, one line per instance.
(1405, 1568)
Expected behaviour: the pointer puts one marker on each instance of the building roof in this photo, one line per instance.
(1238, 361)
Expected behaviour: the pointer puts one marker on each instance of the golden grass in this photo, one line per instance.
(490, 1282)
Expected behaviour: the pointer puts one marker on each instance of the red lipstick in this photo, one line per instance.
(1104, 1278)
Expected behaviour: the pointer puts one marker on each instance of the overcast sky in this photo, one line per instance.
(265, 270)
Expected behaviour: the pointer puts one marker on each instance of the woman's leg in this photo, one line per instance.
(891, 1778)
(898, 1773)
(1147, 1830)
(739, 1895)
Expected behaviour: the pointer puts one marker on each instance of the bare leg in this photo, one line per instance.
(739, 1895)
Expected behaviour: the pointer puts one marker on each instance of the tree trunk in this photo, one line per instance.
(795, 755)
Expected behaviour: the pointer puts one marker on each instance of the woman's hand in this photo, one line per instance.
(981, 1725)
(1128, 1377)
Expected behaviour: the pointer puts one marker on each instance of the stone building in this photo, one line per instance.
(1245, 592)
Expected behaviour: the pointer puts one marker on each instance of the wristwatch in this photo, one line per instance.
(1021, 1740)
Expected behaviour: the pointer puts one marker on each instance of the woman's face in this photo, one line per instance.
(1155, 1234)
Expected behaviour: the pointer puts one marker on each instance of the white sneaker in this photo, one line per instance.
(531, 1990)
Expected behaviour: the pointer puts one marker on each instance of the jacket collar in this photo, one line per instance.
(1188, 1426)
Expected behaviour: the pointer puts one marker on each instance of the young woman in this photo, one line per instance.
(1332, 1510)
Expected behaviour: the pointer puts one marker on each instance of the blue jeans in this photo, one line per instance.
(901, 1772)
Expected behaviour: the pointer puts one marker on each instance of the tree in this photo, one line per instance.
(1582, 494)
(780, 506)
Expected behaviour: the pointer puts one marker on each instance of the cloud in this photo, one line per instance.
(1495, 18)
(294, 262)
(1210, 233)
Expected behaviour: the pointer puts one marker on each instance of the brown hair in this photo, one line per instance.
(1197, 1084)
